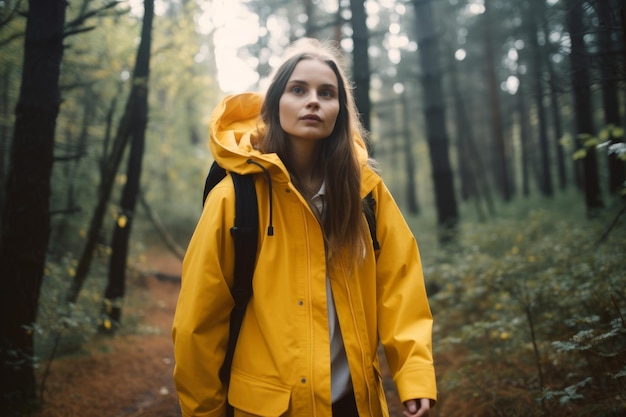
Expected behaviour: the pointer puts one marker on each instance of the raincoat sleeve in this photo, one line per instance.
(404, 316)
(201, 320)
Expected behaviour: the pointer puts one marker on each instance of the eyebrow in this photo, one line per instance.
(307, 83)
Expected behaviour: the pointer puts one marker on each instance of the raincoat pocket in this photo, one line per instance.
(251, 396)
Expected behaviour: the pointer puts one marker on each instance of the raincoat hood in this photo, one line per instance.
(235, 127)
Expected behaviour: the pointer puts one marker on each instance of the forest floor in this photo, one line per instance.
(130, 374)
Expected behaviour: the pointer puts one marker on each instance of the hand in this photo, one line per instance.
(416, 408)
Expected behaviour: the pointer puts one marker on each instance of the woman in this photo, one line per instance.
(323, 298)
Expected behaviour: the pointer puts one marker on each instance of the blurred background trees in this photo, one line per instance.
(493, 122)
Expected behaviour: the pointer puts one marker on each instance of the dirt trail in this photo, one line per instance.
(127, 375)
(130, 375)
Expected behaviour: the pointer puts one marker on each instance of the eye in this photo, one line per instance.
(296, 89)
(327, 93)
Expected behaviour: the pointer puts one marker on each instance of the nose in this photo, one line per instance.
(313, 101)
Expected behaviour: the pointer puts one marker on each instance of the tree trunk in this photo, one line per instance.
(545, 173)
(434, 115)
(114, 292)
(473, 182)
(4, 131)
(555, 112)
(525, 137)
(360, 62)
(261, 48)
(160, 228)
(26, 215)
(109, 169)
(582, 103)
(411, 184)
(610, 62)
(309, 27)
(500, 160)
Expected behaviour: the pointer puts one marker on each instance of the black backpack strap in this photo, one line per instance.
(245, 236)
(370, 215)
(215, 175)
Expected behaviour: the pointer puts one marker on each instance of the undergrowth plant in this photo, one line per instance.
(529, 317)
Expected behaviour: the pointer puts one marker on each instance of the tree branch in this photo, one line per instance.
(72, 27)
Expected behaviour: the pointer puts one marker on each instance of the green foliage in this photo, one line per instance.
(96, 77)
(64, 328)
(610, 137)
(529, 315)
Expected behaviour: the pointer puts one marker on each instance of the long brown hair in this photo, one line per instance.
(343, 222)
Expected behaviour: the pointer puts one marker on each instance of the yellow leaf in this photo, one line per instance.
(140, 81)
(591, 141)
(617, 132)
(604, 134)
(122, 221)
(504, 335)
(107, 324)
(566, 140)
(579, 154)
(71, 272)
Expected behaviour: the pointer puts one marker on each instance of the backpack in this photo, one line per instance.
(245, 232)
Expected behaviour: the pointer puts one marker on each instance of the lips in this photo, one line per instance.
(311, 117)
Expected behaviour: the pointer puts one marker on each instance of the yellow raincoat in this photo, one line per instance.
(281, 365)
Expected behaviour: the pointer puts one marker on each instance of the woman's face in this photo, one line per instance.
(309, 106)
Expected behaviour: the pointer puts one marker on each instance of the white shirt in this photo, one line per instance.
(341, 383)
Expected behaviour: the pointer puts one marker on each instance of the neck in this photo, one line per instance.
(306, 167)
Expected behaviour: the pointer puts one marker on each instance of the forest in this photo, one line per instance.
(498, 126)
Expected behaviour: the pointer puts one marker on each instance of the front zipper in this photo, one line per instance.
(310, 307)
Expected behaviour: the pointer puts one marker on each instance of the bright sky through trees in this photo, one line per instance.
(234, 26)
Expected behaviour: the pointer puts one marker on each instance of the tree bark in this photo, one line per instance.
(555, 113)
(474, 181)
(116, 286)
(500, 159)
(4, 131)
(360, 62)
(411, 185)
(525, 137)
(160, 228)
(26, 215)
(109, 169)
(610, 62)
(434, 115)
(545, 173)
(582, 103)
